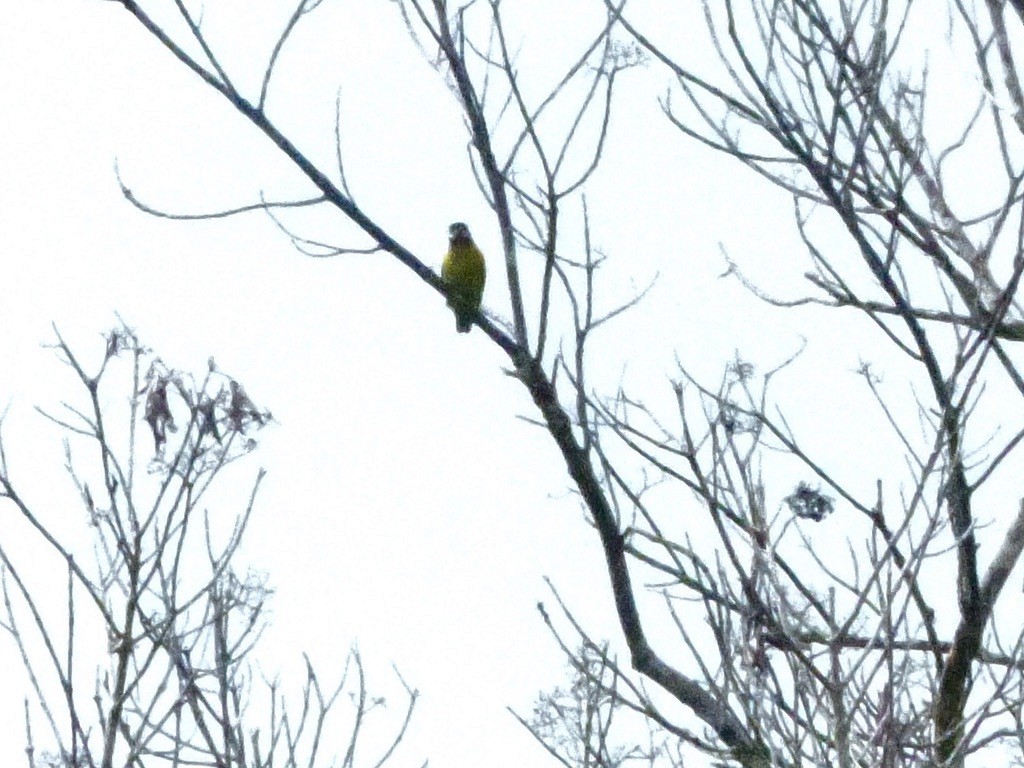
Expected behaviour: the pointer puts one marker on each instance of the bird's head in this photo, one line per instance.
(459, 232)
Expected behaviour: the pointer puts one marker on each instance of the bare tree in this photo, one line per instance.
(849, 664)
(799, 658)
(176, 682)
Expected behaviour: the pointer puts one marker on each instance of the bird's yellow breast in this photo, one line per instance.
(464, 270)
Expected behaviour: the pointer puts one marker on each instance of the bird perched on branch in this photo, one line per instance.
(464, 273)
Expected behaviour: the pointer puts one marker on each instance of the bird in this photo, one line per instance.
(464, 273)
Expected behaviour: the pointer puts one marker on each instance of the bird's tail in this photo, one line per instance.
(463, 322)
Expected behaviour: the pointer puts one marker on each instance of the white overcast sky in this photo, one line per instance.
(407, 508)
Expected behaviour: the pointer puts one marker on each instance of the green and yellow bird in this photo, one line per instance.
(464, 273)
